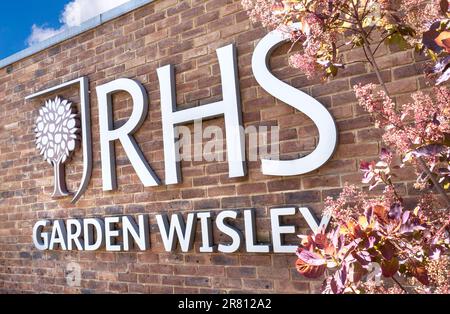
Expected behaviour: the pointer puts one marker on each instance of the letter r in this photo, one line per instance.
(124, 134)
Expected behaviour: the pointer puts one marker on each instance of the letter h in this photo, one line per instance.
(230, 107)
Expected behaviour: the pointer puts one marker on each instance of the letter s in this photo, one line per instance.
(300, 101)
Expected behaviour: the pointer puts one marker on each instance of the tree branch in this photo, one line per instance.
(370, 56)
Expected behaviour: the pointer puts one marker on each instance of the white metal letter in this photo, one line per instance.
(59, 235)
(185, 232)
(111, 234)
(278, 230)
(232, 232)
(229, 107)
(124, 134)
(207, 237)
(139, 233)
(40, 239)
(300, 101)
(89, 224)
(250, 234)
(74, 230)
(312, 221)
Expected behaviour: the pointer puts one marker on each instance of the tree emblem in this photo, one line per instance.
(57, 128)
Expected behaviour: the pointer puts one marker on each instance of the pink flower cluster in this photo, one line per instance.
(265, 11)
(319, 25)
(350, 203)
(419, 13)
(425, 120)
(305, 63)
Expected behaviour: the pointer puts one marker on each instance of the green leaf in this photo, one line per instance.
(398, 40)
(332, 70)
(358, 41)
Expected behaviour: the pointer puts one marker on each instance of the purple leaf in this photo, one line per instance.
(341, 276)
(436, 254)
(357, 272)
(405, 216)
(311, 258)
(387, 250)
(435, 119)
(441, 64)
(444, 77)
(334, 286)
(396, 211)
(429, 150)
(363, 257)
(369, 213)
(429, 37)
(372, 241)
(389, 267)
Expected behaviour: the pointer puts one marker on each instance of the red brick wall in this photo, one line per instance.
(186, 34)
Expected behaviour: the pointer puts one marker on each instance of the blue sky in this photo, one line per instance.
(17, 18)
(24, 23)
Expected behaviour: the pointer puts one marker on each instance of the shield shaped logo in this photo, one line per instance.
(60, 129)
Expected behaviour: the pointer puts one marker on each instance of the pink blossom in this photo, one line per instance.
(307, 64)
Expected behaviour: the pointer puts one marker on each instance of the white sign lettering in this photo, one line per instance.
(92, 234)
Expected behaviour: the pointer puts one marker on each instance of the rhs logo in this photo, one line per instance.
(58, 126)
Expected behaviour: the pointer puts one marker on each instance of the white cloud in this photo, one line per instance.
(39, 34)
(75, 13)
(78, 11)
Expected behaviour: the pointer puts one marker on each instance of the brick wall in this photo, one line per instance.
(186, 34)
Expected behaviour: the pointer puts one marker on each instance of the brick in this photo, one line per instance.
(255, 260)
(223, 190)
(330, 88)
(118, 287)
(370, 78)
(240, 272)
(302, 197)
(228, 283)
(258, 284)
(185, 270)
(318, 181)
(284, 185)
(224, 260)
(402, 86)
(267, 199)
(292, 286)
(251, 188)
(198, 281)
(273, 273)
(206, 204)
(236, 202)
(148, 278)
(369, 135)
(357, 150)
(193, 193)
